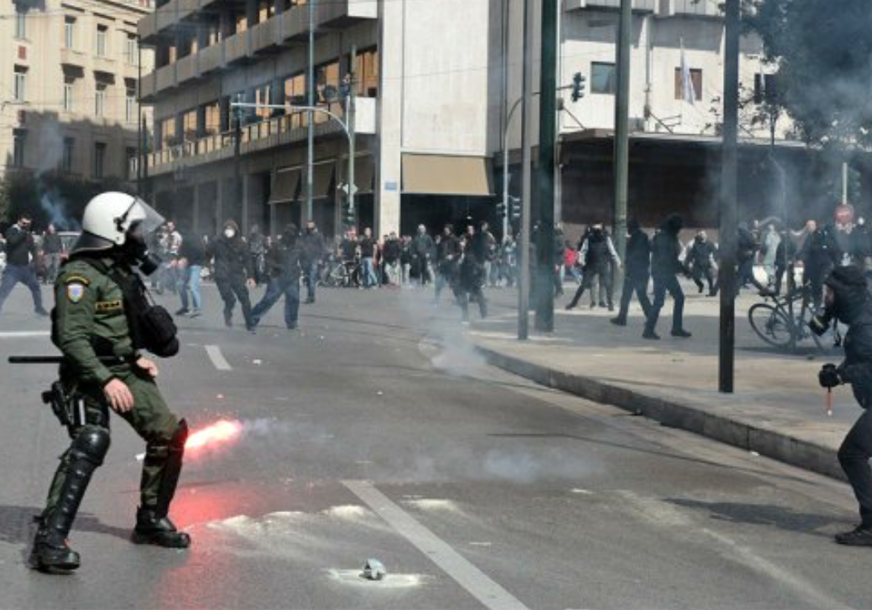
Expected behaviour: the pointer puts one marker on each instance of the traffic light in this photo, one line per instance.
(514, 208)
(348, 215)
(501, 210)
(578, 84)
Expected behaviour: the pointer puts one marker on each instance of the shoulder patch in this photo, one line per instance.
(75, 291)
(77, 279)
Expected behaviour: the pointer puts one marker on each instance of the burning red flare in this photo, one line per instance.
(219, 433)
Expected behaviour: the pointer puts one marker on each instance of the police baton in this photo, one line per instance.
(54, 359)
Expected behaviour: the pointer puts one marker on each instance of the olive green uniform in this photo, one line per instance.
(89, 322)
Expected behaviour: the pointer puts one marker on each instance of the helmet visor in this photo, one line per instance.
(146, 217)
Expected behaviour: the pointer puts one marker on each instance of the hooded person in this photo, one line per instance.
(638, 273)
(234, 273)
(597, 254)
(101, 322)
(847, 301)
(285, 265)
(665, 266)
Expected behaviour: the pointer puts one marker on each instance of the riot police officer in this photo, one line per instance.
(102, 319)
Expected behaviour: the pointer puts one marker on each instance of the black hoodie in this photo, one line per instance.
(232, 260)
(665, 248)
(852, 306)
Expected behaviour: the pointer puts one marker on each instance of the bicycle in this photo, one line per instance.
(343, 274)
(779, 324)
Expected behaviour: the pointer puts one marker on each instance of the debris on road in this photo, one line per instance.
(374, 570)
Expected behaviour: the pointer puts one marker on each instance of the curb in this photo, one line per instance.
(679, 414)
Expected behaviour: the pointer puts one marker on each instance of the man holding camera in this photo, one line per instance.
(20, 247)
(847, 300)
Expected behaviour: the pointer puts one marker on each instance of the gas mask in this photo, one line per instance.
(229, 233)
(135, 252)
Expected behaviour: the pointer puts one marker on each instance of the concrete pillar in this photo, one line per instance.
(387, 189)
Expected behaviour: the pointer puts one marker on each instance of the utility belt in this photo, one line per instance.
(69, 408)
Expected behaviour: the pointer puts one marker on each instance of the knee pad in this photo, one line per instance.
(91, 444)
(180, 436)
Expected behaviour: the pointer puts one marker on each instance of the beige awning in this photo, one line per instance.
(446, 175)
(287, 186)
(322, 179)
(364, 174)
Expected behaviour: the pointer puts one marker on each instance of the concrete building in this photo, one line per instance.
(69, 86)
(422, 102)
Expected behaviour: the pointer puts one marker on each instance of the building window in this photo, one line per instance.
(67, 158)
(102, 32)
(295, 95)
(20, 83)
(366, 73)
(189, 125)
(19, 137)
(130, 49)
(167, 133)
(327, 76)
(602, 78)
(69, 83)
(265, 10)
(99, 159)
(69, 32)
(695, 78)
(262, 95)
(100, 100)
(129, 155)
(212, 119)
(20, 22)
(130, 106)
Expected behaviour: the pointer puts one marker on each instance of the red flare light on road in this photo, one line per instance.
(219, 433)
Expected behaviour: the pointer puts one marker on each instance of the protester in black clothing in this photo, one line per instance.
(391, 257)
(422, 251)
(447, 251)
(701, 261)
(638, 273)
(820, 255)
(313, 248)
(467, 281)
(665, 266)
(20, 248)
(784, 257)
(284, 263)
(847, 301)
(233, 272)
(257, 251)
(597, 253)
(746, 253)
(367, 246)
(406, 259)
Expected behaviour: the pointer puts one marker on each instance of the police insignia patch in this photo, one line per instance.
(75, 292)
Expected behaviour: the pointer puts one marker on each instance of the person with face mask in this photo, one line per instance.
(234, 274)
(596, 254)
(98, 324)
(20, 249)
(665, 266)
(701, 261)
(847, 301)
(638, 273)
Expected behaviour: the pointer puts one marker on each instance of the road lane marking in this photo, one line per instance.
(217, 358)
(20, 334)
(473, 580)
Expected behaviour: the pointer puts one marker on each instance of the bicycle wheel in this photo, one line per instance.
(771, 325)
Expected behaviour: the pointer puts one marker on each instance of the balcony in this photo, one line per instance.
(236, 48)
(263, 36)
(278, 131)
(211, 58)
(104, 64)
(71, 57)
(148, 87)
(186, 69)
(648, 6)
(689, 7)
(166, 77)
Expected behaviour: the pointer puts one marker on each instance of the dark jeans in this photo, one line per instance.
(464, 297)
(23, 274)
(230, 290)
(311, 279)
(700, 272)
(290, 288)
(662, 285)
(639, 285)
(854, 455)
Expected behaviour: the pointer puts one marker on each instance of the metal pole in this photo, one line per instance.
(844, 183)
(622, 126)
(729, 201)
(310, 90)
(506, 165)
(545, 172)
(139, 131)
(352, 82)
(524, 246)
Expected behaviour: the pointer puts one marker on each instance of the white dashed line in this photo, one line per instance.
(473, 580)
(217, 358)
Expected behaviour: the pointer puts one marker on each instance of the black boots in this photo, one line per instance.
(51, 553)
(160, 531)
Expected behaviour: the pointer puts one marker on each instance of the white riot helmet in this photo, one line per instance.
(108, 218)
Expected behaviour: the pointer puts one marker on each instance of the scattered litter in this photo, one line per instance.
(393, 581)
(380, 393)
(755, 454)
(140, 457)
(585, 492)
(430, 504)
(257, 361)
(485, 544)
(219, 396)
(350, 511)
(374, 570)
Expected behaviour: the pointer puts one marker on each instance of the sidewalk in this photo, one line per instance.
(778, 409)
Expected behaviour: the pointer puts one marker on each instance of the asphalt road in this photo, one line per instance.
(375, 432)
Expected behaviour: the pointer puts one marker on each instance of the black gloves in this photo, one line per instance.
(829, 376)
